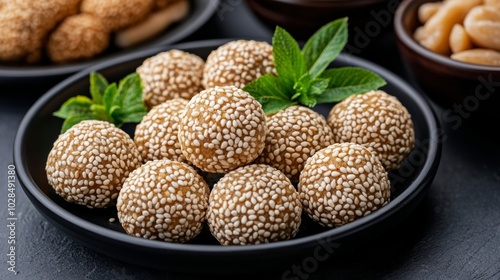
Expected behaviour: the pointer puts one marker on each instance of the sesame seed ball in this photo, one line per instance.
(341, 183)
(78, 37)
(238, 63)
(163, 199)
(26, 24)
(171, 74)
(117, 14)
(295, 134)
(89, 162)
(254, 204)
(156, 134)
(378, 121)
(222, 128)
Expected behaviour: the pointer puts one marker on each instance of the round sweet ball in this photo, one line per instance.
(156, 136)
(117, 14)
(254, 204)
(295, 134)
(88, 163)
(222, 128)
(341, 183)
(169, 75)
(238, 63)
(165, 200)
(78, 37)
(378, 121)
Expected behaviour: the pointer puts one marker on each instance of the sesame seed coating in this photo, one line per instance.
(165, 200)
(117, 14)
(378, 121)
(25, 25)
(169, 75)
(341, 183)
(89, 162)
(295, 134)
(222, 128)
(156, 136)
(254, 204)
(78, 37)
(238, 63)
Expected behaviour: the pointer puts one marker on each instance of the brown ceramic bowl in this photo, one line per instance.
(302, 17)
(468, 93)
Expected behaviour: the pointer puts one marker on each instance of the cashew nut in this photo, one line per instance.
(459, 39)
(427, 10)
(438, 27)
(482, 24)
(478, 56)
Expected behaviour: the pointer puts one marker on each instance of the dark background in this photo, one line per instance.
(453, 234)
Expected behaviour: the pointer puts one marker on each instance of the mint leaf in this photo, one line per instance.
(72, 120)
(115, 112)
(78, 105)
(301, 86)
(318, 86)
(268, 90)
(324, 46)
(98, 85)
(275, 105)
(266, 87)
(130, 95)
(346, 81)
(109, 96)
(306, 89)
(133, 118)
(288, 58)
(112, 103)
(99, 113)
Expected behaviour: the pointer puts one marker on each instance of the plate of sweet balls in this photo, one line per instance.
(45, 41)
(229, 155)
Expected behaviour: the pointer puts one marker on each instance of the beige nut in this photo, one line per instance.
(478, 56)
(492, 3)
(459, 39)
(427, 10)
(436, 32)
(482, 24)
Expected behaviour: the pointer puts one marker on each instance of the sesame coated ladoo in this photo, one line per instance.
(238, 63)
(342, 183)
(295, 134)
(169, 75)
(376, 120)
(254, 204)
(222, 128)
(117, 14)
(156, 136)
(78, 37)
(165, 200)
(88, 164)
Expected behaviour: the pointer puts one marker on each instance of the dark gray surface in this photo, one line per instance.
(453, 234)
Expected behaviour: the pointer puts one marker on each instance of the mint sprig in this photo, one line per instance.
(117, 104)
(302, 74)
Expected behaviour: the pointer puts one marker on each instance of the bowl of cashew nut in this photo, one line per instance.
(451, 50)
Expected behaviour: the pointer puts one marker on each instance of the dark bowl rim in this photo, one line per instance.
(53, 70)
(342, 4)
(419, 184)
(405, 38)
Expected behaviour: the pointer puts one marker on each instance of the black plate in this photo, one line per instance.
(201, 11)
(39, 129)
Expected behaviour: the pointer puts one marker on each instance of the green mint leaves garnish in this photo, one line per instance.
(117, 104)
(302, 74)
